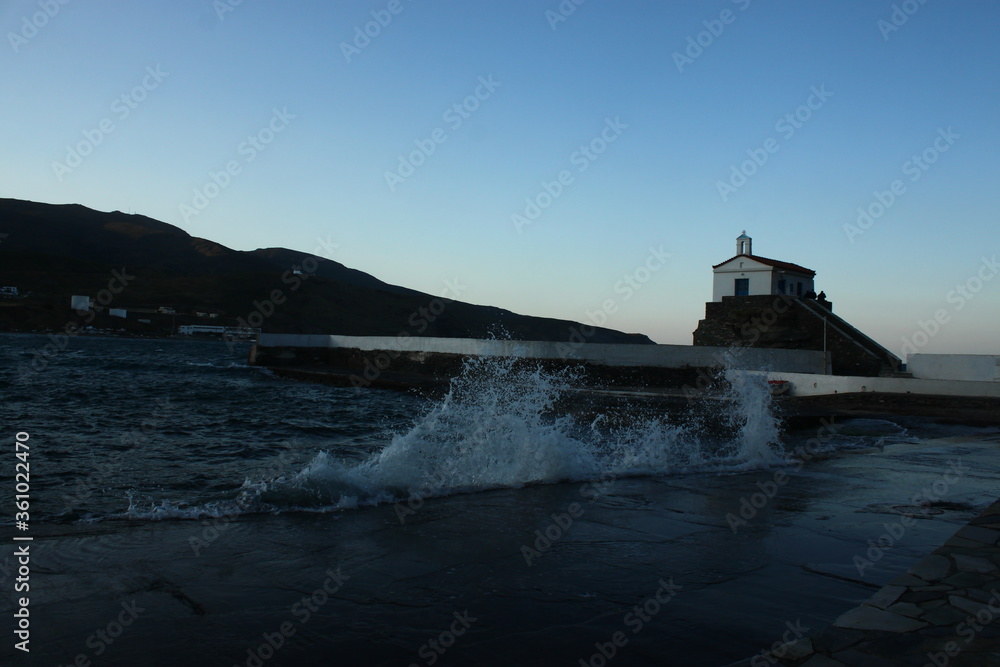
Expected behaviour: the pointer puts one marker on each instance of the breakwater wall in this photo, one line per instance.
(819, 385)
(969, 367)
(375, 360)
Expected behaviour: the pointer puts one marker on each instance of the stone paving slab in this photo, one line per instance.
(944, 611)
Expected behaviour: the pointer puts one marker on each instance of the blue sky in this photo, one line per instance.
(672, 99)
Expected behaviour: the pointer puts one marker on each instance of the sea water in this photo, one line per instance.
(214, 495)
(157, 429)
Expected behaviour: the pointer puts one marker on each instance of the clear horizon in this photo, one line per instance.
(545, 156)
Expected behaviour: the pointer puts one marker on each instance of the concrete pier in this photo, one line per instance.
(404, 362)
(393, 362)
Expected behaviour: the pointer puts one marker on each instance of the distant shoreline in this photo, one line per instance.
(199, 339)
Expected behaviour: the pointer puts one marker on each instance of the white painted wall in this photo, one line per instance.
(724, 278)
(763, 278)
(968, 367)
(663, 356)
(816, 385)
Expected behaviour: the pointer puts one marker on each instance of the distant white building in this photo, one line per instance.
(204, 329)
(8, 291)
(747, 274)
(192, 329)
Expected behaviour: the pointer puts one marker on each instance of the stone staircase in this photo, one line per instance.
(890, 362)
(787, 322)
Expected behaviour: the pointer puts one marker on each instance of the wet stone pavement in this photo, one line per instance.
(941, 612)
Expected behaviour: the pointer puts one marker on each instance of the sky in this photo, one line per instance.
(585, 159)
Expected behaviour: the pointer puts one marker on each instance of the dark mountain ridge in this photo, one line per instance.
(50, 252)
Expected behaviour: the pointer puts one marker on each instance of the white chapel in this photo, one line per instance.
(747, 274)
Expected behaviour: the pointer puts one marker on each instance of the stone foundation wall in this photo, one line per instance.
(784, 322)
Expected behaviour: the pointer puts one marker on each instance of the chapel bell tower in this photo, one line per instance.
(744, 244)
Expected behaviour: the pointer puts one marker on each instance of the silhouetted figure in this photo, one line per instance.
(821, 297)
(810, 294)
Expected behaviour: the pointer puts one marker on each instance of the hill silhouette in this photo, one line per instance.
(51, 252)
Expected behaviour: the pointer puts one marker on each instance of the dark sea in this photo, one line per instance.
(189, 509)
(164, 429)
(171, 429)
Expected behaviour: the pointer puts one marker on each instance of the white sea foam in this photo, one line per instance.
(497, 428)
